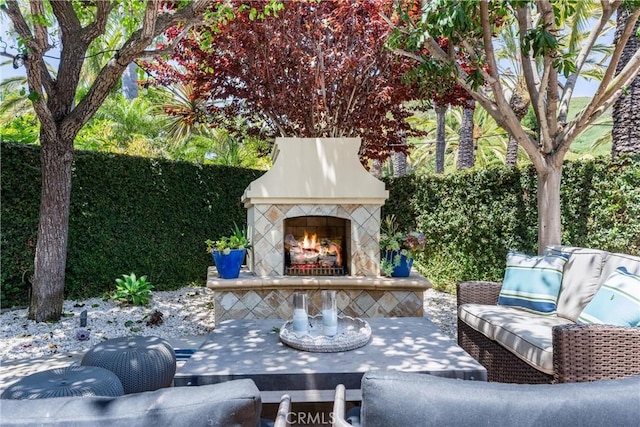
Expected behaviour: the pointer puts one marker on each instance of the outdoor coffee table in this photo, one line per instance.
(251, 349)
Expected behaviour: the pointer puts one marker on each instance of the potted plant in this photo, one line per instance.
(397, 248)
(228, 252)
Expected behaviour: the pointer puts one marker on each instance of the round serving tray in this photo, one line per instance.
(352, 333)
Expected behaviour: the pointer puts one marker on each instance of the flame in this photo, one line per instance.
(309, 243)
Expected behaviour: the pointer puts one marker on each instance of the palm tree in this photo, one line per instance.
(441, 143)
(626, 110)
(125, 126)
(489, 141)
(399, 160)
(519, 101)
(13, 97)
(466, 153)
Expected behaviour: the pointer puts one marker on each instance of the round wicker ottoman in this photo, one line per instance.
(68, 381)
(141, 363)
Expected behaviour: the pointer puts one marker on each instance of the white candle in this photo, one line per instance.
(300, 320)
(330, 322)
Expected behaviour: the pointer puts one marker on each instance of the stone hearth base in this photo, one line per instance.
(252, 297)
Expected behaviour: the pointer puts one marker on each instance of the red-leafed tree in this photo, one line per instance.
(318, 69)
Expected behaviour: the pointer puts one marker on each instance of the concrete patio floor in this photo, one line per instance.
(12, 370)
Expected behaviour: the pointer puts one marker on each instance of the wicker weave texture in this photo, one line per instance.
(141, 363)
(68, 381)
(595, 352)
(580, 352)
(478, 293)
(502, 365)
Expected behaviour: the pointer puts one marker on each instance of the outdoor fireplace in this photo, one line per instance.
(315, 180)
(316, 246)
(314, 223)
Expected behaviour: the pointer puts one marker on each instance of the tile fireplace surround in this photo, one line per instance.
(315, 177)
(319, 177)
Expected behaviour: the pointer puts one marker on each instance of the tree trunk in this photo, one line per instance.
(549, 228)
(441, 143)
(399, 164)
(626, 110)
(400, 161)
(519, 103)
(129, 78)
(512, 152)
(465, 146)
(376, 168)
(47, 292)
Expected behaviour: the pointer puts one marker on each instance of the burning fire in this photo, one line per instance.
(313, 252)
(310, 243)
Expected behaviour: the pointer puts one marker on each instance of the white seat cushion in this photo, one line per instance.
(483, 318)
(629, 262)
(531, 341)
(527, 335)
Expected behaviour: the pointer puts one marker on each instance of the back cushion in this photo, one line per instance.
(233, 403)
(629, 262)
(580, 279)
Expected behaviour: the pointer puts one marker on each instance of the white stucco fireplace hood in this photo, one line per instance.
(319, 177)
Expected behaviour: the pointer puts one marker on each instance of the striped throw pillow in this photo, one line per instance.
(532, 282)
(617, 302)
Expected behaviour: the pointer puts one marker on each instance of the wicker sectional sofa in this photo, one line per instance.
(519, 346)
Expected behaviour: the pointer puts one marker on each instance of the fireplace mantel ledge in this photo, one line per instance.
(330, 201)
(247, 280)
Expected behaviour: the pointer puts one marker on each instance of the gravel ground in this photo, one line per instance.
(187, 311)
(441, 309)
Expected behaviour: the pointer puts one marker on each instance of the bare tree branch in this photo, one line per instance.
(551, 89)
(97, 27)
(608, 98)
(615, 58)
(149, 20)
(37, 75)
(529, 69)
(581, 59)
(170, 48)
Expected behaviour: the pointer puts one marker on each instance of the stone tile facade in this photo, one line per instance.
(315, 177)
(266, 228)
(276, 303)
(251, 297)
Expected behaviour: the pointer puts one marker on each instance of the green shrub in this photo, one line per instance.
(127, 214)
(139, 214)
(473, 218)
(132, 290)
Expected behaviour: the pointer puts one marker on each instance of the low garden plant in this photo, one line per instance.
(132, 290)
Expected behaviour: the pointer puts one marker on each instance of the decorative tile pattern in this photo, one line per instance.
(266, 228)
(277, 303)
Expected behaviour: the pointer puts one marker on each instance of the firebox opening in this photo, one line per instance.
(316, 246)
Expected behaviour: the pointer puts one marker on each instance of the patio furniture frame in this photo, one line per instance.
(580, 352)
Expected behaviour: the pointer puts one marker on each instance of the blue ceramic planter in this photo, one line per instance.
(404, 268)
(229, 265)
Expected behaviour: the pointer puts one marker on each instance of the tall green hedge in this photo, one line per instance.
(149, 216)
(128, 214)
(472, 218)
